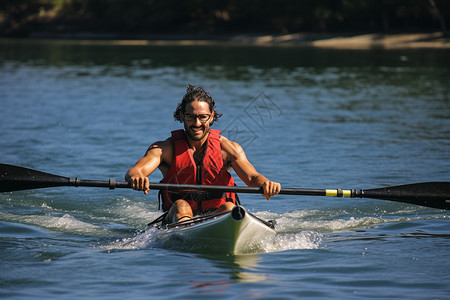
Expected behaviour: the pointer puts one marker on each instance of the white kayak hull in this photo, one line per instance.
(234, 232)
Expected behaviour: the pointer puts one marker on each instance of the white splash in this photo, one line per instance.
(141, 240)
(65, 223)
(288, 241)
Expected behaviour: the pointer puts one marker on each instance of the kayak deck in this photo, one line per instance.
(233, 232)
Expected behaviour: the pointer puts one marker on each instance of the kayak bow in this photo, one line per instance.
(233, 232)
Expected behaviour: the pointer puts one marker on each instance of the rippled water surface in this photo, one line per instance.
(306, 117)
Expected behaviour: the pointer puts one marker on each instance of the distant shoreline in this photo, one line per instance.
(332, 41)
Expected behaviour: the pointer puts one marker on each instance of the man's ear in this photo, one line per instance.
(212, 118)
(181, 117)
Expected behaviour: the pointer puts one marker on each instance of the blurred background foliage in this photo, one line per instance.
(210, 17)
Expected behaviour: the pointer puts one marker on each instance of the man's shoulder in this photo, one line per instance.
(163, 150)
(225, 141)
(231, 148)
(166, 145)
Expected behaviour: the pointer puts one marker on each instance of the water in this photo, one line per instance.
(306, 117)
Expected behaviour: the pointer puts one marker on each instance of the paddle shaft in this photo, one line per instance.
(113, 184)
(431, 194)
(435, 200)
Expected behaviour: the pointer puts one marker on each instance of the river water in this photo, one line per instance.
(307, 118)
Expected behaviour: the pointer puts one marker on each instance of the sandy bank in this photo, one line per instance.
(334, 41)
(365, 41)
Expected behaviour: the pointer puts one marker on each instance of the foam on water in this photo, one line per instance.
(135, 213)
(302, 240)
(324, 221)
(65, 223)
(140, 240)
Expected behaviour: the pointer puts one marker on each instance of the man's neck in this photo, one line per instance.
(196, 145)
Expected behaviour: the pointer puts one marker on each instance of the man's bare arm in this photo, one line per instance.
(245, 170)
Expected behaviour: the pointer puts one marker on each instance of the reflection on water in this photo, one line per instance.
(241, 268)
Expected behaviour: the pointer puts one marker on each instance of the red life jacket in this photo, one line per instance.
(210, 171)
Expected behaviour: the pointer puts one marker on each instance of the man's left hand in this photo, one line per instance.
(270, 189)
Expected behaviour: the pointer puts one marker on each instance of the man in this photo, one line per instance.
(197, 155)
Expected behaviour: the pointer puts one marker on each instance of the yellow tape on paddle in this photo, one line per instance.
(341, 193)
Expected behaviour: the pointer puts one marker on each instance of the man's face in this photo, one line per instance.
(196, 119)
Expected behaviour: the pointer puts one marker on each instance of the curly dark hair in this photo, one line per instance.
(196, 93)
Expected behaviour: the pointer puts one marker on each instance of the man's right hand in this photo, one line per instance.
(153, 158)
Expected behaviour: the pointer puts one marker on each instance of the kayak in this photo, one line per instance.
(233, 232)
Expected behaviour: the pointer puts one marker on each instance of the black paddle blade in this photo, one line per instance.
(431, 194)
(14, 178)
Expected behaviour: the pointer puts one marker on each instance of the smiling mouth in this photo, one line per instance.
(197, 129)
(196, 133)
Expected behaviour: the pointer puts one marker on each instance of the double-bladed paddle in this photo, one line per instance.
(430, 194)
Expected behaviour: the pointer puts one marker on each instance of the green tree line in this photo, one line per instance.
(23, 17)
